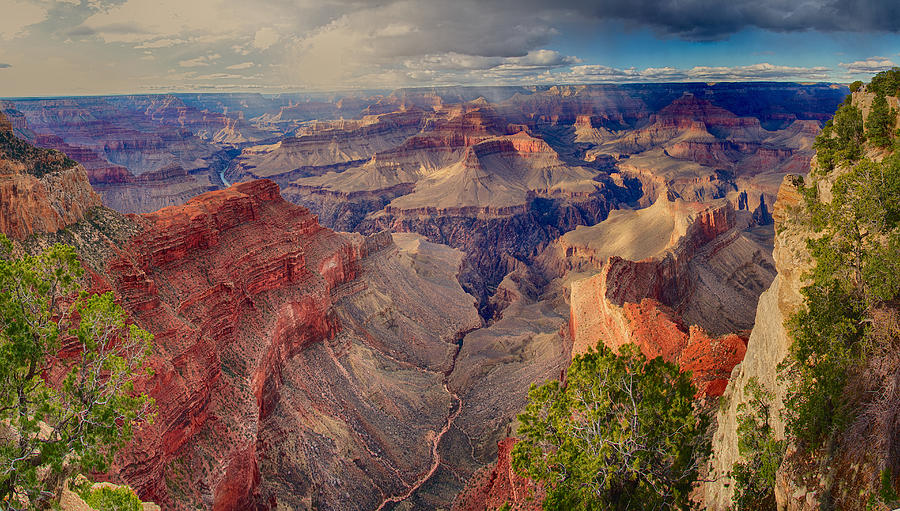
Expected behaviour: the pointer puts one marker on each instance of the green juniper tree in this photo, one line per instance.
(880, 122)
(621, 434)
(61, 415)
(754, 475)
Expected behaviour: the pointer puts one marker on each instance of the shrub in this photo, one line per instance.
(880, 122)
(621, 434)
(76, 424)
(105, 498)
(754, 476)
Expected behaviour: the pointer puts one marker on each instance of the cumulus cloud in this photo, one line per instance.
(754, 72)
(265, 38)
(17, 16)
(871, 65)
(242, 65)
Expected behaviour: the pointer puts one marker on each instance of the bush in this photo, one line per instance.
(856, 255)
(621, 434)
(886, 83)
(855, 86)
(75, 425)
(841, 139)
(105, 498)
(880, 122)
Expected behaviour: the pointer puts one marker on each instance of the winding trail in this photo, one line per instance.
(436, 442)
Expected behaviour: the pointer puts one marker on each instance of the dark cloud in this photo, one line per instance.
(700, 20)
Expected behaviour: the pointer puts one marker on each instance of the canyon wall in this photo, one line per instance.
(292, 365)
(40, 190)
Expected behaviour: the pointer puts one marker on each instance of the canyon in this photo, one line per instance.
(354, 323)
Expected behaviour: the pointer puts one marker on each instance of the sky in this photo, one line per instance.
(79, 47)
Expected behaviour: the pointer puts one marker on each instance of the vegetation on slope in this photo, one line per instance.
(67, 365)
(38, 162)
(841, 373)
(622, 433)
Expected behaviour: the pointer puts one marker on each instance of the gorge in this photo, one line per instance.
(350, 298)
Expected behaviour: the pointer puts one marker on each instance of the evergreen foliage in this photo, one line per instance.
(886, 83)
(61, 415)
(754, 476)
(880, 122)
(112, 499)
(841, 138)
(620, 434)
(856, 253)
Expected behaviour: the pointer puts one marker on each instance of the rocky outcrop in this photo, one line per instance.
(644, 300)
(767, 346)
(291, 364)
(40, 190)
(498, 485)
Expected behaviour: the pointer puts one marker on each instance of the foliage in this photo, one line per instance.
(841, 138)
(880, 122)
(855, 86)
(754, 476)
(67, 363)
(886, 83)
(105, 498)
(38, 161)
(856, 254)
(621, 434)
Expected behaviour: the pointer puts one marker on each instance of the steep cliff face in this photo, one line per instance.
(679, 295)
(40, 190)
(293, 365)
(767, 346)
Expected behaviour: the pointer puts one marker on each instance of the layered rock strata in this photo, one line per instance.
(679, 291)
(40, 190)
(292, 365)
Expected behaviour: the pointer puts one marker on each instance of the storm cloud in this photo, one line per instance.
(340, 44)
(701, 20)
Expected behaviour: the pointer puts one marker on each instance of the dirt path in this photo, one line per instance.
(436, 442)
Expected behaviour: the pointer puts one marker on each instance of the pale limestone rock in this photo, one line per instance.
(768, 345)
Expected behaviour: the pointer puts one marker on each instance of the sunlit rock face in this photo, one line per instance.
(301, 367)
(40, 190)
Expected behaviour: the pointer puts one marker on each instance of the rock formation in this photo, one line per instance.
(497, 485)
(292, 364)
(40, 190)
(767, 345)
(679, 280)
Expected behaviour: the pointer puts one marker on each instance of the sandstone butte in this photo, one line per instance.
(643, 298)
(651, 272)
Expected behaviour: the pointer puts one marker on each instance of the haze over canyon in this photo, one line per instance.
(470, 255)
(348, 312)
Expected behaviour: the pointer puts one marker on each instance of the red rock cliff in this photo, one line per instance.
(40, 190)
(231, 283)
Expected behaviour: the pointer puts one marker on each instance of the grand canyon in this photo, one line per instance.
(376, 250)
(348, 313)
